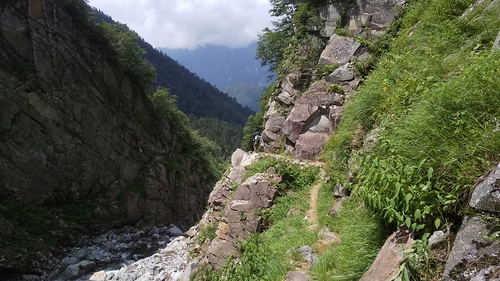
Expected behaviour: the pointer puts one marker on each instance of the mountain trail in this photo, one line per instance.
(312, 212)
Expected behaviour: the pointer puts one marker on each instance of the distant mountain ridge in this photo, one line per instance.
(226, 69)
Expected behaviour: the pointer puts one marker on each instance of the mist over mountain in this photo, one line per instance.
(227, 69)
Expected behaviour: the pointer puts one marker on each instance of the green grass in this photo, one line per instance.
(434, 97)
(361, 236)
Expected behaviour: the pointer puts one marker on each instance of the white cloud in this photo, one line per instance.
(189, 23)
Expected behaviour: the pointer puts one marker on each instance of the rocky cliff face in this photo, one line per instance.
(314, 112)
(74, 126)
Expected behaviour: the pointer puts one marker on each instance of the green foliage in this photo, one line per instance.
(266, 256)
(208, 232)
(401, 193)
(434, 99)
(194, 146)
(255, 122)
(195, 96)
(293, 176)
(288, 45)
(323, 70)
(29, 230)
(334, 88)
(129, 53)
(226, 135)
(165, 108)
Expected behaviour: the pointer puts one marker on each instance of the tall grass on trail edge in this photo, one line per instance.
(361, 236)
(434, 99)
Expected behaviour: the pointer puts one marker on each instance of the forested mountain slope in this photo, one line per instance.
(234, 71)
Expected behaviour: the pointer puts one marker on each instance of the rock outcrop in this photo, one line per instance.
(73, 125)
(316, 110)
(235, 212)
(476, 248)
(375, 14)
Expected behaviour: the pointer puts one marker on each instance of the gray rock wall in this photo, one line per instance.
(73, 126)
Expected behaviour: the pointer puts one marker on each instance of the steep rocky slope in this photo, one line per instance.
(307, 106)
(75, 128)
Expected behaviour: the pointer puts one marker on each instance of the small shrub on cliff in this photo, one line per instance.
(129, 53)
(194, 146)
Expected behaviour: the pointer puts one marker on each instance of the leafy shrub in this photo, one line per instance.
(402, 193)
(323, 70)
(129, 53)
(334, 88)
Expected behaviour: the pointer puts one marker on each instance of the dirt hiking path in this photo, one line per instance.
(312, 212)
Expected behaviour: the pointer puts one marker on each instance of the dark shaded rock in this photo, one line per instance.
(174, 231)
(74, 126)
(72, 271)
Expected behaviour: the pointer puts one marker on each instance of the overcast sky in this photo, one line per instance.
(190, 23)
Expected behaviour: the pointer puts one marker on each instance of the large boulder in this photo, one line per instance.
(332, 15)
(310, 144)
(386, 264)
(339, 50)
(298, 118)
(311, 121)
(476, 247)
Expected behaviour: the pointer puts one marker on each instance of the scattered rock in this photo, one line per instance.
(240, 216)
(437, 237)
(124, 246)
(72, 271)
(496, 44)
(98, 276)
(340, 76)
(297, 276)
(309, 256)
(174, 231)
